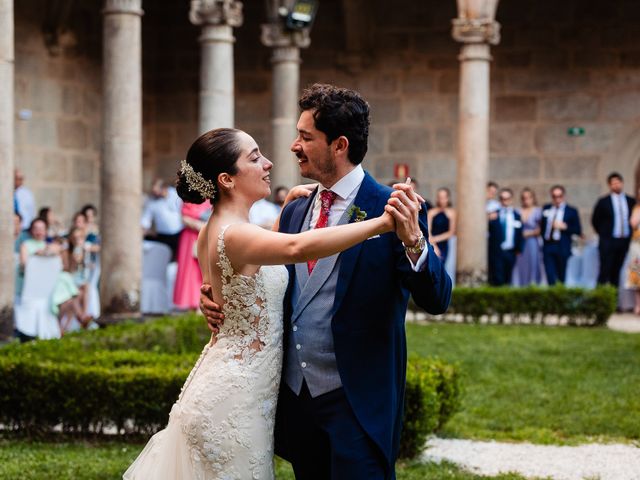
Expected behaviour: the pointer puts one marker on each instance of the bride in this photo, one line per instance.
(221, 426)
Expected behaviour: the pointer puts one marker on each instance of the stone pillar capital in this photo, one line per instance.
(274, 35)
(131, 7)
(468, 30)
(216, 12)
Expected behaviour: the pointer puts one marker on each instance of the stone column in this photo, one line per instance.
(285, 85)
(7, 268)
(121, 175)
(473, 146)
(217, 18)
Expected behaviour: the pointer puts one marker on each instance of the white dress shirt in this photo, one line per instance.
(620, 215)
(164, 213)
(26, 206)
(346, 190)
(554, 214)
(508, 219)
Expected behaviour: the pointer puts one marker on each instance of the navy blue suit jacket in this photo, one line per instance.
(496, 234)
(571, 218)
(603, 216)
(374, 283)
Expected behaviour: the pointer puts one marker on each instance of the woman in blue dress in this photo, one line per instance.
(442, 222)
(528, 268)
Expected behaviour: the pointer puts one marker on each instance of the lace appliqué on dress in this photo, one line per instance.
(225, 414)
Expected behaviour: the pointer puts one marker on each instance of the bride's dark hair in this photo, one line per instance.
(213, 153)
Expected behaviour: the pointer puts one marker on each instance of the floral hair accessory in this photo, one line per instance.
(197, 182)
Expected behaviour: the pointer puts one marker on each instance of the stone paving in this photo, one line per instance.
(583, 462)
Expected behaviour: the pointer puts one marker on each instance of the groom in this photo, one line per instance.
(341, 399)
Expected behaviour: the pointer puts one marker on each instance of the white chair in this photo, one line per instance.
(33, 315)
(154, 296)
(172, 272)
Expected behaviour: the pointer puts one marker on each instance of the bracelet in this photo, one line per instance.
(419, 245)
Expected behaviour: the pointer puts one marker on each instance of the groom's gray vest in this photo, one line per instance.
(310, 352)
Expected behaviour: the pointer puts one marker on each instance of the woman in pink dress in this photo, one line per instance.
(186, 294)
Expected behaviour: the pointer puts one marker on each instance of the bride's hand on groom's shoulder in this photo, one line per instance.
(210, 309)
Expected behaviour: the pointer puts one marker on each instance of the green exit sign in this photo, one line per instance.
(575, 131)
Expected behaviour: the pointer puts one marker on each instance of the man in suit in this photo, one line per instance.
(341, 400)
(505, 239)
(610, 219)
(559, 223)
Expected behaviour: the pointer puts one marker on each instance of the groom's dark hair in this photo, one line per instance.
(339, 112)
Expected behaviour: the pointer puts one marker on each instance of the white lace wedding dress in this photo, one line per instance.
(221, 426)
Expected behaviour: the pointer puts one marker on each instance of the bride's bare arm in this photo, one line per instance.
(248, 244)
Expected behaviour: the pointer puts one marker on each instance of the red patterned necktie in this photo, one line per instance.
(326, 200)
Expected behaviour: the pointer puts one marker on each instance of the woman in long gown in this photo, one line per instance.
(528, 267)
(221, 427)
(186, 294)
(632, 281)
(442, 222)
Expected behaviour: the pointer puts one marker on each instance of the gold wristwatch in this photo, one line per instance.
(418, 247)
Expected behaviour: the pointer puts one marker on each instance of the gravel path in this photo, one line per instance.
(591, 461)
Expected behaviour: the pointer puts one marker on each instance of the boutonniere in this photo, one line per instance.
(356, 215)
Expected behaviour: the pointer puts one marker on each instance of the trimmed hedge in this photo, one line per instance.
(585, 307)
(129, 376)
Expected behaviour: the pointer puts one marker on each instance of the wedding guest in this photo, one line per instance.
(55, 229)
(610, 219)
(280, 195)
(632, 279)
(77, 261)
(19, 234)
(528, 269)
(23, 199)
(17, 231)
(505, 239)
(441, 221)
(492, 205)
(91, 214)
(65, 302)
(162, 215)
(186, 293)
(559, 222)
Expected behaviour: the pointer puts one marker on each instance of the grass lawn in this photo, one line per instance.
(540, 384)
(107, 461)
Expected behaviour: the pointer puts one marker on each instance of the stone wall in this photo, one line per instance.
(58, 90)
(559, 65)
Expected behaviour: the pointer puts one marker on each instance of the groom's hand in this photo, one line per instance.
(211, 310)
(407, 206)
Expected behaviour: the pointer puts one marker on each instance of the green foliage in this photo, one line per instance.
(129, 376)
(432, 395)
(580, 306)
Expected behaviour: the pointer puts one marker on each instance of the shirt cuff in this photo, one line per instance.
(420, 265)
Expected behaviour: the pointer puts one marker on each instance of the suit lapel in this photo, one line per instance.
(295, 225)
(320, 274)
(368, 200)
